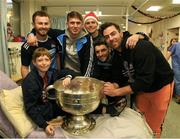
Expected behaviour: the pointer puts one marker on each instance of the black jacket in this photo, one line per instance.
(102, 69)
(39, 110)
(145, 66)
(84, 48)
(111, 69)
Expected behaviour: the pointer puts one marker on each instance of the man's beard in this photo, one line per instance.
(41, 34)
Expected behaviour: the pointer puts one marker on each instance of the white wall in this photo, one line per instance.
(28, 7)
(162, 31)
(133, 28)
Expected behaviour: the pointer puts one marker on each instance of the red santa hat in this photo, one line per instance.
(91, 15)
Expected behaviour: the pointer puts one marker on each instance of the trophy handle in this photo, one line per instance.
(50, 87)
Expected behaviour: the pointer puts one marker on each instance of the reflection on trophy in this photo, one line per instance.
(81, 97)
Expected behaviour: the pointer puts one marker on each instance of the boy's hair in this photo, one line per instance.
(108, 24)
(39, 13)
(74, 14)
(40, 52)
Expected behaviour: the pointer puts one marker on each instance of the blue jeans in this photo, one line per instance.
(177, 80)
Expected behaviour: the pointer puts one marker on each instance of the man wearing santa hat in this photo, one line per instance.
(91, 24)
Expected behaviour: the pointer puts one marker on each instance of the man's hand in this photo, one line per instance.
(50, 131)
(109, 89)
(131, 41)
(66, 81)
(32, 40)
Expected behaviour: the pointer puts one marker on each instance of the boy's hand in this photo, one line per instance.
(50, 131)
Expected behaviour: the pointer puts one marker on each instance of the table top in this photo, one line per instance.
(129, 124)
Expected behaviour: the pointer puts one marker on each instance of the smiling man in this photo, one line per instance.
(75, 45)
(149, 76)
(41, 23)
(102, 67)
(91, 24)
(76, 49)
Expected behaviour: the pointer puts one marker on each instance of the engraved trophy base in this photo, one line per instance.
(78, 124)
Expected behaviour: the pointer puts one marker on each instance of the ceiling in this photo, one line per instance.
(112, 10)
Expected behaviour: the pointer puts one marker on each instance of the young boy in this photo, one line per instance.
(37, 106)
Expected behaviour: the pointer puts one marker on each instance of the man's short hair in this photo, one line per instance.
(74, 14)
(39, 13)
(100, 41)
(108, 24)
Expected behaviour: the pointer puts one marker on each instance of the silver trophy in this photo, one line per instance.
(81, 97)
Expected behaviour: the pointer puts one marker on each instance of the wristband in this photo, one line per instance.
(69, 76)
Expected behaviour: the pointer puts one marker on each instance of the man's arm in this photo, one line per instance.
(111, 89)
(168, 55)
(53, 33)
(32, 40)
(58, 61)
(24, 71)
(25, 60)
(133, 39)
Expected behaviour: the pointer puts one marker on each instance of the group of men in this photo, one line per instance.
(141, 71)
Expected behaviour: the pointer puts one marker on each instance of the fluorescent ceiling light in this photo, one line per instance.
(176, 2)
(154, 8)
(9, 1)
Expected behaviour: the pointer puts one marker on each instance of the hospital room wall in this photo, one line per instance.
(160, 32)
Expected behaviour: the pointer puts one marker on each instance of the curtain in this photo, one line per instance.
(58, 22)
(4, 66)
